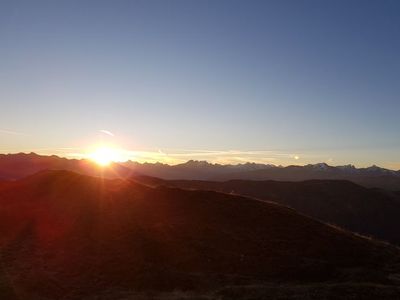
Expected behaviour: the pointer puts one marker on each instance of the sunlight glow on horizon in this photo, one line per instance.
(103, 156)
(105, 153)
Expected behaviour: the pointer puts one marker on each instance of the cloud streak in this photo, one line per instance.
(10, 132)
(106, 132)
(176, 156)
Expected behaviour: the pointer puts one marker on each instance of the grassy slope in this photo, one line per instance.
(370, 212)
(73, 236)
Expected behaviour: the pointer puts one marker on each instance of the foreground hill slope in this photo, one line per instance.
(372, 212)
(69, 236)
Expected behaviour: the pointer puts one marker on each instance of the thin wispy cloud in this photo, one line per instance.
(106, 132)
(11, 132)
(175, 156)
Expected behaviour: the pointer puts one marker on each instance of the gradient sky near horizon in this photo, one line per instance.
(285, 82)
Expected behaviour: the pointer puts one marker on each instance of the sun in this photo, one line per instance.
(105, 156)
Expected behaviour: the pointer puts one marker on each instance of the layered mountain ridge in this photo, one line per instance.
(16, 166)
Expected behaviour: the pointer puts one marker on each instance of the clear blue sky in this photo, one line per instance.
(315, 79)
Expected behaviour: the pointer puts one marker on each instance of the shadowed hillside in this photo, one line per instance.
(69, 236)
(372, 212)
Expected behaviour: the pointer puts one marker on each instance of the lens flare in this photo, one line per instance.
(104, 156)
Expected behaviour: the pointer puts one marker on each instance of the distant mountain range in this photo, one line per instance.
(326, 196)
(200, 170)
(20, 165)
(65, 235)
(369, 211)
(15, 166)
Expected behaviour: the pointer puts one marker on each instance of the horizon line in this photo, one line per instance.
(208, 162)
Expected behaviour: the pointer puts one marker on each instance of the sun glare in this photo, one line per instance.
(105, 156)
